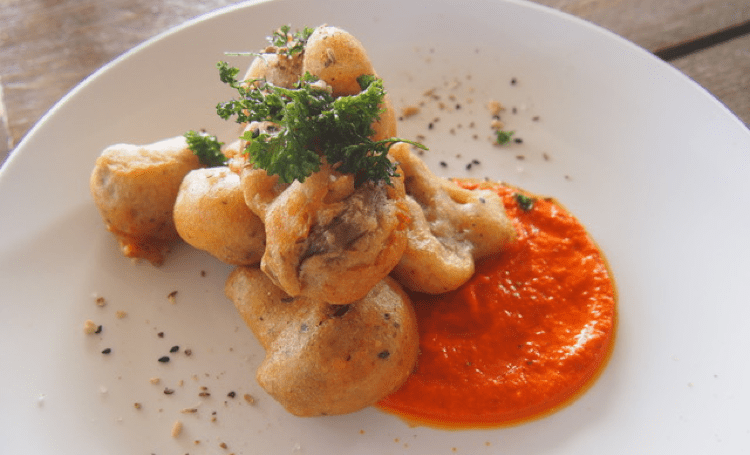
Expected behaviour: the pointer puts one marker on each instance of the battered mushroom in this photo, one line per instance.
(135, 187)
(280, 70)
(450, 227)
(210, 214)
(324, 359)
(338, 58)
(327, 240)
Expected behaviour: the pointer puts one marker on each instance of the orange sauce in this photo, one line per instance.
(529, 332)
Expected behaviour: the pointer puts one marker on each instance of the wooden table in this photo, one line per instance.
(49, 46)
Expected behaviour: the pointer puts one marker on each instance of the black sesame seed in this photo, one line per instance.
(174, 349)
(475, 161)
(384, 355)
(98, 329)
(513, 81)
(231, 394)
(518, 140)
(443, 164)
(107, 351)
(430, 126)
(468, 166)
(164, 359)
(340, 310)
(160, 334)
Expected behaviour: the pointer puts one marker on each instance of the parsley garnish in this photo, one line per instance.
(311, 125)
(503, 137)
(524, 202)
(206, 147)
(288, 43)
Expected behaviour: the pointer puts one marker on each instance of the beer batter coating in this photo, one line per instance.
(450, 227)
(210, 214)
(324, 359)
(135, 188)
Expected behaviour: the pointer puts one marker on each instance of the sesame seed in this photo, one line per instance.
(164, 359)
(176, 428)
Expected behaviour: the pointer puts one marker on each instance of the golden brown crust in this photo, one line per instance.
(135, 187)
(325, 359)
(327, 240)
(210, 214)
(450, 227)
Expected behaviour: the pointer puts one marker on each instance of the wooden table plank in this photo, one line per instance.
(654, 24)
(724, 70)
(47, 47)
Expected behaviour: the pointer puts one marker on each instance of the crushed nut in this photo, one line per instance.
(89, 327)
(495, 107)
(176, 428)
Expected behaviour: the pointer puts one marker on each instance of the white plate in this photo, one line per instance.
(651, 163)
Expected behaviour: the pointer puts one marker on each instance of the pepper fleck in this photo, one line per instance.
(231, 394)
(384, 354)
(98, 329)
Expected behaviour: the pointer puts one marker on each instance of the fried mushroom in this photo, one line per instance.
(325, 359)
(327, 240)
(338, 58)
(210, 214)
(450, 227)
(135, 187)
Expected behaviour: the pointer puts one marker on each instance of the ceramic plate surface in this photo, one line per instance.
(654, 166)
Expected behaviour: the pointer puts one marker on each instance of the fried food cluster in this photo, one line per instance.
(321, 262)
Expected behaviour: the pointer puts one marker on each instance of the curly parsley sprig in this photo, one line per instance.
(288, 43)
(206, 147)
(311, 126)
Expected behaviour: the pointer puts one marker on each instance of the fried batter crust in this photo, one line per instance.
(324, 359)
(210, 214)
(327, 240)
(135, 187)
(450, 227)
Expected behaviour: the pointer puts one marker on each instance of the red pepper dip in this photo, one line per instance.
(524, 337)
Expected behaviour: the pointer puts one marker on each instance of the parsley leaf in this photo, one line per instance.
(288, 43)
(311, 125)
(524, 202)
(206, 147)
(503, 137)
